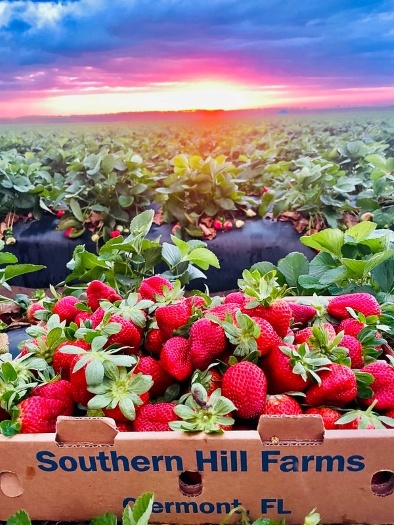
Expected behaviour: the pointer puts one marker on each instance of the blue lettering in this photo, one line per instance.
(212, 460)
(42, 458)
(68, 463)
(355, 463)
(266, 459)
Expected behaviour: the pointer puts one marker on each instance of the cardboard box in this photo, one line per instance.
(283, 470)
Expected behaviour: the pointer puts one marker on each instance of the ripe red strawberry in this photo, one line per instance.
(39, 414)
(302, 313)
(97, 291)
(125, 426)
(196, 301)
(350, 326)
(268, 338)
(172, 316)
(281, 404)
(338, 387)
(97, 317)
(278, 314)
(31, 310)
(304, 335)
(330, 416)
(62, 362)
(175, 358)
(129, 336)
(81, 318)
(154, 341)
(153, 286)
(235, 297)
(161, 379)
(79, 387)
(355, 349)
(245, 385)
(278, 369)
(382, 386)
(207, 342)
(360, 302)
(65, 308)
(58, 389)
(221, 310)
(155, 417)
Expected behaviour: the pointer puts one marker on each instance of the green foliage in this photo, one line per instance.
(123, 262)
(359, 259)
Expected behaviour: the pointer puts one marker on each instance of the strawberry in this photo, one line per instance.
(245, 385)
(337, 387)
(355, 349)
(65, 308)
(278, 367)
(154, 340)
(79, 386)
(305, 335)
(210, 379)
(96, 317)
(175, 358)
(151, 287)
(161, 379)
(172, 316)
(57, 389)
(302, 313)
(125, 426)
(382, 385)
(360, 302)
(207, 342)
(350, 326)
(97, 291)
(81, 317)
(221, 310)
(278, 313)
(62, 362)
(235, 297)
(330, 417)
(155, 418)
(281, 404)
(129, 337)
(39, 414)
(31, 310)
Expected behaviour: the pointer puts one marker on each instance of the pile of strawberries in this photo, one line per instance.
(158, 360)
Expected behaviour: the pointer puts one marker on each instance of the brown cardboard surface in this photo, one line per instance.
(279, 477)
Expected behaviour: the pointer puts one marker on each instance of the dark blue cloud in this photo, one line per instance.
(307, 40)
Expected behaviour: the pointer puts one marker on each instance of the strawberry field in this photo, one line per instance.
(129, 335)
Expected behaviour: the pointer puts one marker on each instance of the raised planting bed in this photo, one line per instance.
(39, 242)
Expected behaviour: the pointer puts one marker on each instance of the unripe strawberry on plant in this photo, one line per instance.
(281, 404)
(155, 417)
(337, 386)
(207, 341)
(65, 308)
(97, 291)
(175, 358)
(245, 385)
(153, 286)
(360, 302)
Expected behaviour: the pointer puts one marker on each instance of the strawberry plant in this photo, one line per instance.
(123, 262)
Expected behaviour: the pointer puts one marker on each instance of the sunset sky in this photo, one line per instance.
(109, 56)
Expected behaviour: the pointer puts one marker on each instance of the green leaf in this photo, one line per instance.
(21, 269)
(203, 258)
(76, 209)
(21, 517)
(171, 254)
(9, 372)
(376, 160)
(360, 231)
(292, 266)
(383, 275)
(105, 519)
(94, 372)
(142, 509)
(330, 240)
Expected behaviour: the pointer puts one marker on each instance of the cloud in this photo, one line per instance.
(78, 45)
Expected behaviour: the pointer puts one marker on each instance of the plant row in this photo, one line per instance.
(318, 174)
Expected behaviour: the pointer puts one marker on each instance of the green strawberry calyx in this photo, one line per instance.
(263, 289)
(201, 413)
(242, 334)
(305, 362)
(122, 389)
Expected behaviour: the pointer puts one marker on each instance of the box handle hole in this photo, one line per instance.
(10, 484)
(190, 483)
(382, 483)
